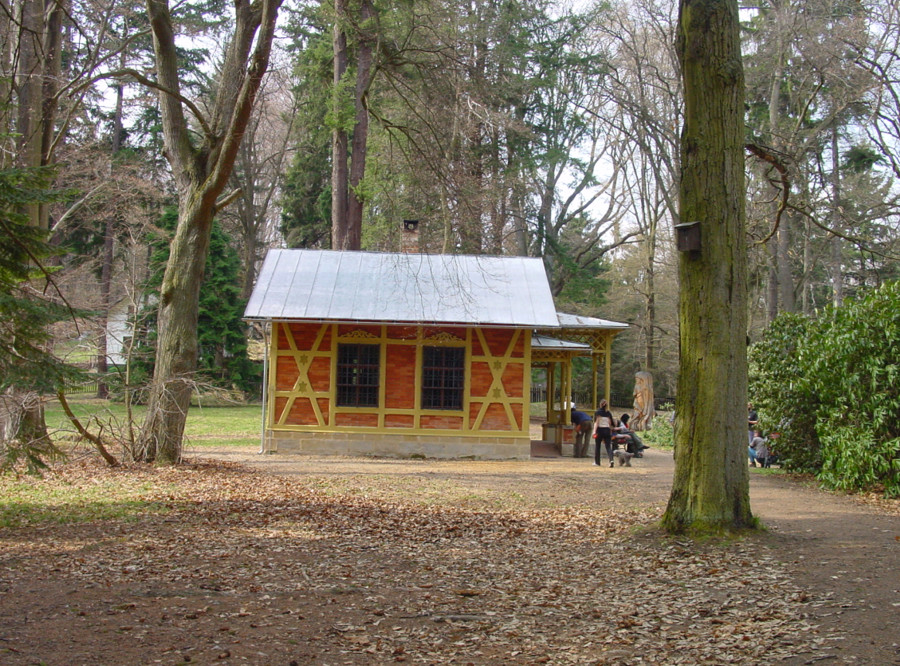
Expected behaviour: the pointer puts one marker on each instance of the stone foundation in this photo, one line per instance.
(398, 446)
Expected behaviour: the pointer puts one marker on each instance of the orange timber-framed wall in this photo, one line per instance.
(302, 412)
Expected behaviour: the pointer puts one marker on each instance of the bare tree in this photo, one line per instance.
(253, 220)
(201, 168)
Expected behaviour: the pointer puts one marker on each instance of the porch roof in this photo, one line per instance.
(546, 343)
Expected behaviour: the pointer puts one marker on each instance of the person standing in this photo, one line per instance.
(752, 420)
(603, 423)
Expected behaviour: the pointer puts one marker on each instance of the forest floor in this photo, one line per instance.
(237, 558)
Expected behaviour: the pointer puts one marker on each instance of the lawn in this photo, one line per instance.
(206, 426)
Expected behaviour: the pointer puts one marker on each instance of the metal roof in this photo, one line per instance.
(327, 285)
(577, 321)
(546, 343)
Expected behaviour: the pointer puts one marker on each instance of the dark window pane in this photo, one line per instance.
(443, 377)
(357, 375)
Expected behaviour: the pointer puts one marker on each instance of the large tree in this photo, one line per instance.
(710, 489)
(202, 157)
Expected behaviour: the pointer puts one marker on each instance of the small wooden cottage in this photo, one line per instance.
(401, 354)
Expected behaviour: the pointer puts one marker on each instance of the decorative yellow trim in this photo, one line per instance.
(497, 393)
(359, 334)
(302, 388)
(442, 337)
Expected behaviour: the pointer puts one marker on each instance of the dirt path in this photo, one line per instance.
(844, 552)
(283, 560)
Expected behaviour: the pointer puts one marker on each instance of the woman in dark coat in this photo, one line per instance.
(633, 443)
(603, 423)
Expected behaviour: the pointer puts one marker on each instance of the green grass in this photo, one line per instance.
(33, 501)
(236, 425)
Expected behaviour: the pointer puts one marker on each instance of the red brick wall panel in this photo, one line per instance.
(480, 379)
(399, 421)
(401, 377)
(323, 408)
(279, 408)
(495, 418)
(402, 332)
(430, 422)
(302, 413)
(281, 337)
(514, 380)
(498, 340)
(477, 349)
(517, 411)
(304, 336)
(357, 420)
(285, 373)
(519, 347)
(319, 374)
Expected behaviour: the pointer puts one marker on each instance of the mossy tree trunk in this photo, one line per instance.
(201, 169)
(710, 489)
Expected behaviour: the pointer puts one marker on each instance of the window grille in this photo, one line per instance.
(443, 377)
(357, 375)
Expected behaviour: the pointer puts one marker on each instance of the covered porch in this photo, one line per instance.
(553, 351)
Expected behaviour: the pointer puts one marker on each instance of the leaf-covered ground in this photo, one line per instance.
(375, 562)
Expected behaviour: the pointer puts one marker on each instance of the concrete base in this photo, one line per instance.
(398, 446)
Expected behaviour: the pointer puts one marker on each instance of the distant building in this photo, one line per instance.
(409, 354)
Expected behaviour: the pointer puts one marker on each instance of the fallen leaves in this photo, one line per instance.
(282, 567)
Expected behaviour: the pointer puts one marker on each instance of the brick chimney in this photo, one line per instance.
(409, 237)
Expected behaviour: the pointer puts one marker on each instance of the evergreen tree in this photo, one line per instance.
(222, 345)
(27, 368)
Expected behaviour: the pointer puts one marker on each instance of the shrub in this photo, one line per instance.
(782, 395)
(854, 361)
(830, 386)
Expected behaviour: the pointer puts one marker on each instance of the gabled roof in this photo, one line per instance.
(326, 285)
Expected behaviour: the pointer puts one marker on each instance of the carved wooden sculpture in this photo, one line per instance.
(644, 409)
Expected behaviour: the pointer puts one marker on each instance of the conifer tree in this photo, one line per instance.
(27, 367)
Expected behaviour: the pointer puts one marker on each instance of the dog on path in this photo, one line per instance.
(623, 457)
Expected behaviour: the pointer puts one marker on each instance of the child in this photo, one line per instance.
(758, 450)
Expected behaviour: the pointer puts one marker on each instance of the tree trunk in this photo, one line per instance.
(356, 198)
(201, 174)
(771, 283)
(108, 256)
(37, 79)
(783, 261)
(340, 177)
(249, 250)
(837, 245)
(710, 490)
(650, 349)
(176, 347)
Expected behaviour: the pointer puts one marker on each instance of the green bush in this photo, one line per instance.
(854, 357)
(830, 386)
(782, 395)
(662, 434)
